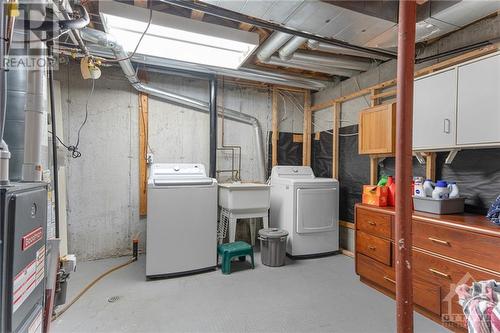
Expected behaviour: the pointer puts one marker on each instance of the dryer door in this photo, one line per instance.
(316, 209)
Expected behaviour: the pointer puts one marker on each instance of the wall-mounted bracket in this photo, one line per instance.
(420, 157)
(451, 156)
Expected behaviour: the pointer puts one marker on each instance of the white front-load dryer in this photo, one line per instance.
(307, 207)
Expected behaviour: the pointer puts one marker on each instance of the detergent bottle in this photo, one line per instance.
(391, 193)
(453, 188)
(428, 187)
(441, 191)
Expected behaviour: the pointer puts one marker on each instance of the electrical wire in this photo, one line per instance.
(40, 40)
(75, 153)
(297, 105)
(90, 285)
(138, 43)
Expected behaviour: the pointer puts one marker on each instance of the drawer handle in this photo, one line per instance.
(371, 247)
(389, 280)
(439, 241)
(372, 223)
(435, 271)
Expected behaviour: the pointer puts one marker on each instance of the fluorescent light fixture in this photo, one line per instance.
(177, 38)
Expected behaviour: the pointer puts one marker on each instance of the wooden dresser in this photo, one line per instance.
(447, 250)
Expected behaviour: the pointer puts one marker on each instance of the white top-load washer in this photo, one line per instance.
(181, 235)
(307, 207)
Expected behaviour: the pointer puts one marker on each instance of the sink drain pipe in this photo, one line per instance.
(105, 40)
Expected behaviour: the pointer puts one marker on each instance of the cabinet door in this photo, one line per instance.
(434, 110)
(377, 129)
(479, 102)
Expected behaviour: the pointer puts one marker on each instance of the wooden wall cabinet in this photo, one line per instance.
(377, 129)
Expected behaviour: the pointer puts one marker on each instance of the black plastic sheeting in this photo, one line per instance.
(289, 152)
(477, 172)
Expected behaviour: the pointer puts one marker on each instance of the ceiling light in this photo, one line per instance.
(177, 38)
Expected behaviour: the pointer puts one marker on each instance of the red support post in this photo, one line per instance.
(404, 172)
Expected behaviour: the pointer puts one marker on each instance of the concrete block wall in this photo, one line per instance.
(103, 185)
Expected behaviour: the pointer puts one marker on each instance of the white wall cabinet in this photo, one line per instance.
(478, 109)
(434, 110)
(458, 107)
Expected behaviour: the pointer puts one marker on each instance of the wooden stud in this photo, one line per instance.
(306, 144)
(197, 15)
(373, 170)
(297, 138)
(374, 101)
(430, 166)
(335, 140)
(383, 94)
(143, 150)
(275, 127)
(245, 26)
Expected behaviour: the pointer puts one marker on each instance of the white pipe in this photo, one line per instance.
(4, 163)
(271, 45)
(287, 51)
(317, 46)
(35, 115)
(106, 40)
(312, 67)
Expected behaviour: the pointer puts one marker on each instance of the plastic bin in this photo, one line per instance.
(441, 207)
(273, 246)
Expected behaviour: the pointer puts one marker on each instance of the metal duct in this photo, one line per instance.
(247, 73)
(105, 40)
(317, 46)
(35, 112)
(17, 91)
(272, 44)
(286, 51)
(311, 66)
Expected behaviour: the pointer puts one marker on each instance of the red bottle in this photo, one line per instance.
(391, 195)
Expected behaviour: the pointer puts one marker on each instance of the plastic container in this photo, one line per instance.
(441, 207)
(273, 246)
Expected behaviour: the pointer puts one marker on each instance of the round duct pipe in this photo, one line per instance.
(17, 90)
(287, 51)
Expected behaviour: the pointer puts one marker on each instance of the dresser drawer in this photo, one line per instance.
(448, 275)
(374, 247)
(462, 245)
(378, 224)
(376, 272)
(425, 294)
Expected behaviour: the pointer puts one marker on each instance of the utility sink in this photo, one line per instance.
(244, 197)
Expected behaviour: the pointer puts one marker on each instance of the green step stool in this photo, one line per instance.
(229, 251)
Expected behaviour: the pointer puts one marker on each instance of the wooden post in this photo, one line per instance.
(306, 144)
(430, 166)
(404, 172)
(335, 140)
(373, 170)
(143, 151)
(275, 126)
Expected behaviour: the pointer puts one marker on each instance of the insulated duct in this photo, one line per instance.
(317, 46)
(287, 51)
(17, 91)
(271, 45)
(105, 40)
(344, 62)
(311, 66)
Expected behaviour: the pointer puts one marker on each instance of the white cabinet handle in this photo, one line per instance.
(447, 126)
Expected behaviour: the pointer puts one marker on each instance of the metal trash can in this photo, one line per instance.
(273, 246)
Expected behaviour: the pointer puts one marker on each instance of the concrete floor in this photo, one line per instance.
(315, 295)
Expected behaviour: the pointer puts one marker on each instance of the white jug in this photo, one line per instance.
(441, 191)
(453, 188)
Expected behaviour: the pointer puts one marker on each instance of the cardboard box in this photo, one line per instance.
(375, 195)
